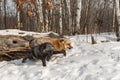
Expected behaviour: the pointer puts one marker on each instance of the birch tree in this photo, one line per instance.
(113, 20)
(117, 9)
(78, 15)
(66, 17)
(2, 26)
(39, 15)
(5, 13)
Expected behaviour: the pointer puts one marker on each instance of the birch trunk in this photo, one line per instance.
(60, 16)
(69, 16)
(65, 17)
(18, 18)
(2, 15)
(38, 14)
(41, 16)
(5, 13)
(113, 25)
(77, 16)
(57, 16)
(117, 9)
(45, 17)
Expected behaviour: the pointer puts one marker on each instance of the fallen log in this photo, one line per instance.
(15, 47)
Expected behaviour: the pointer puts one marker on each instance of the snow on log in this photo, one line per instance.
(35, 36)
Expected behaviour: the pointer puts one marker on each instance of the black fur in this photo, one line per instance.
(43, 52)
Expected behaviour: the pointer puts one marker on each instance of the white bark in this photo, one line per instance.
(70, 16)
(18, 18)
(40, 16)
(77, 16)
(78, 12)
(113, 26)
(46, 26)
(38, 4)
(117, 9)
(60, 16)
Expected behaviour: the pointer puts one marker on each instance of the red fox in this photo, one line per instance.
(60, 44)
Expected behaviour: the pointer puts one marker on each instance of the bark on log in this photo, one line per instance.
(10, 44)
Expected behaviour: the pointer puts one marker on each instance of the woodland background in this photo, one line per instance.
(66, 17)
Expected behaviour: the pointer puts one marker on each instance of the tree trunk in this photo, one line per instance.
(1, 15)
(65, 17)
(40, 16)
(5, 13)
(38, 6)
(45, 17)
(117, 9)
(69, 16)
(60, 16)
(77, 16)
(57, 16)
(18, 19)
(113, 21)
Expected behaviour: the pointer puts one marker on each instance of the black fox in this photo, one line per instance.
(43, 51)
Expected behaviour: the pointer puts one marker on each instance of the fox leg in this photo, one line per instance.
(26, 57)
(64, 52)
(24, 60)
(44, 62)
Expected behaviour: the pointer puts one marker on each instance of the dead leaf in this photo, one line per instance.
(48, 5)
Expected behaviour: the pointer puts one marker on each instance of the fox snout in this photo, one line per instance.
(70, 47)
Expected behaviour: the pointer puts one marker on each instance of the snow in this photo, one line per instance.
(85, 61)
(22, 33)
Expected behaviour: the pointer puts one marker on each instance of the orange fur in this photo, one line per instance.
(59, 44)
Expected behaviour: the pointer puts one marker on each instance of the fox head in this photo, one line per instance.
(67, 43)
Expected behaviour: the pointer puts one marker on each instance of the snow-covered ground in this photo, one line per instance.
(85, 61)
